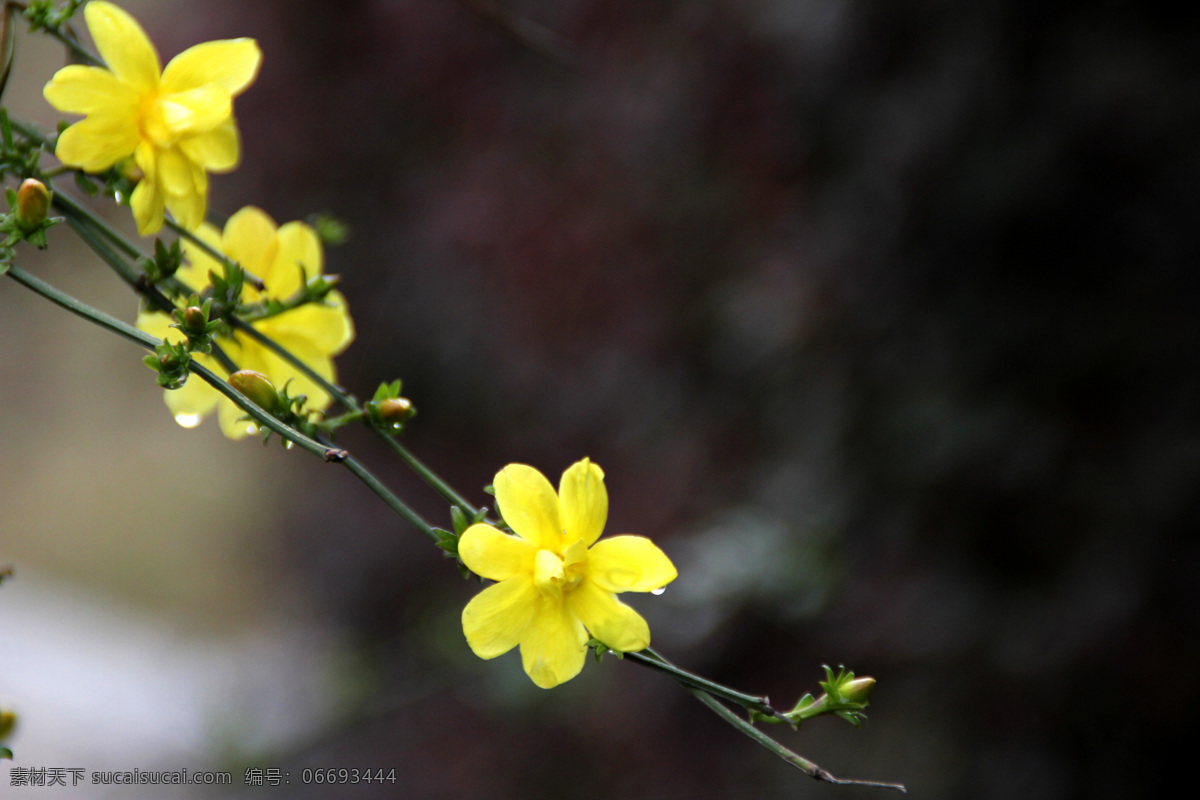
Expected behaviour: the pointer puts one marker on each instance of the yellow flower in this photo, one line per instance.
(551, 587)
(177, 124)
(314, 332)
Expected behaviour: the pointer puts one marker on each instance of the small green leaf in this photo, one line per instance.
(459, 519)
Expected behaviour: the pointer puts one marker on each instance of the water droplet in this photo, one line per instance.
(188, 420)
(289, 445)
(658, 591)
(120, 197)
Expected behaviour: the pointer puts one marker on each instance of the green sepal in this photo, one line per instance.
(480, 515)
(171, 362)
(459, 520)
(447, 541)
(599, 649)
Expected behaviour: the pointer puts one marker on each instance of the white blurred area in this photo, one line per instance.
(147, 625)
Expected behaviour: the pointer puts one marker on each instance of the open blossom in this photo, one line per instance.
(176, 123)
(314, 332)
(556, 583)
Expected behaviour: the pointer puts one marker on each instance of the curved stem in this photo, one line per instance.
(650, 658)
(286, 432)
(795, 759)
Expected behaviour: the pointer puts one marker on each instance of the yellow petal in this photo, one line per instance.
(281, 372)
(250, 239)
(496, 618)
(96, 143)
(148, 206)
(86, 90)
(494, 555)
(195, 111)
(584, 501)
(196, 262)
(231, 64)
(327, 325)
(299, 248)
(123, 45)
(188, 209)
(175, 172)
(608, 619)
(554, 645)
(217, 150)
(629, 564)
(529, 505)
(233, 420)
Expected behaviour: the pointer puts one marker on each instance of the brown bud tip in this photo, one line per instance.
(193, 318)
(257, 387)
(396, 409)
(33, 203)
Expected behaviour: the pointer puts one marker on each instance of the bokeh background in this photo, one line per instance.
(880, 317)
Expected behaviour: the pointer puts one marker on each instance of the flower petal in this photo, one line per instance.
(299, 249)
(86, 90)
(495, 555)
(608, 619)
(554, 645)
(231, 64)
(195, 111)
(250, 240)
(629, 564)
(148, 205)
(123, 45)
(529, 505)
(217, 150)
(496, 619)
(96, 143)
(327, 325)
(584, 501)
(196, 262)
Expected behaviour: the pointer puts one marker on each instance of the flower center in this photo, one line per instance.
(554, 574)
(152, 122)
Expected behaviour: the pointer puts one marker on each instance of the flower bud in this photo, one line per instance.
(257, 387)
(33, 203)
(396, 410)
(194, 319)
(858, 690)
(8, 721)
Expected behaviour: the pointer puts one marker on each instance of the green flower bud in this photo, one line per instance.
(257, 387)
(33, 203)
(858, 690)
(193, 319)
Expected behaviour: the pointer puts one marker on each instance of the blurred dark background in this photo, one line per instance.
(880, 317)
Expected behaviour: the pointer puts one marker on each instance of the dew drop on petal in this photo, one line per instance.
(289, 445)
(658, 591)
(188, 420)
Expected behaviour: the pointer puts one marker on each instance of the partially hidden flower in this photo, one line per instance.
(314, 332)
(177, 123)
(555, 582)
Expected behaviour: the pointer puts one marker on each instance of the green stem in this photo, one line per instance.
(795, 759)
(650, 658)
(260, 416)
(72, 208)
(388, 497)
(347, 400)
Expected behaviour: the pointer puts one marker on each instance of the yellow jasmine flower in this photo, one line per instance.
(177, 124)
(551, 586)
(314, 332)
